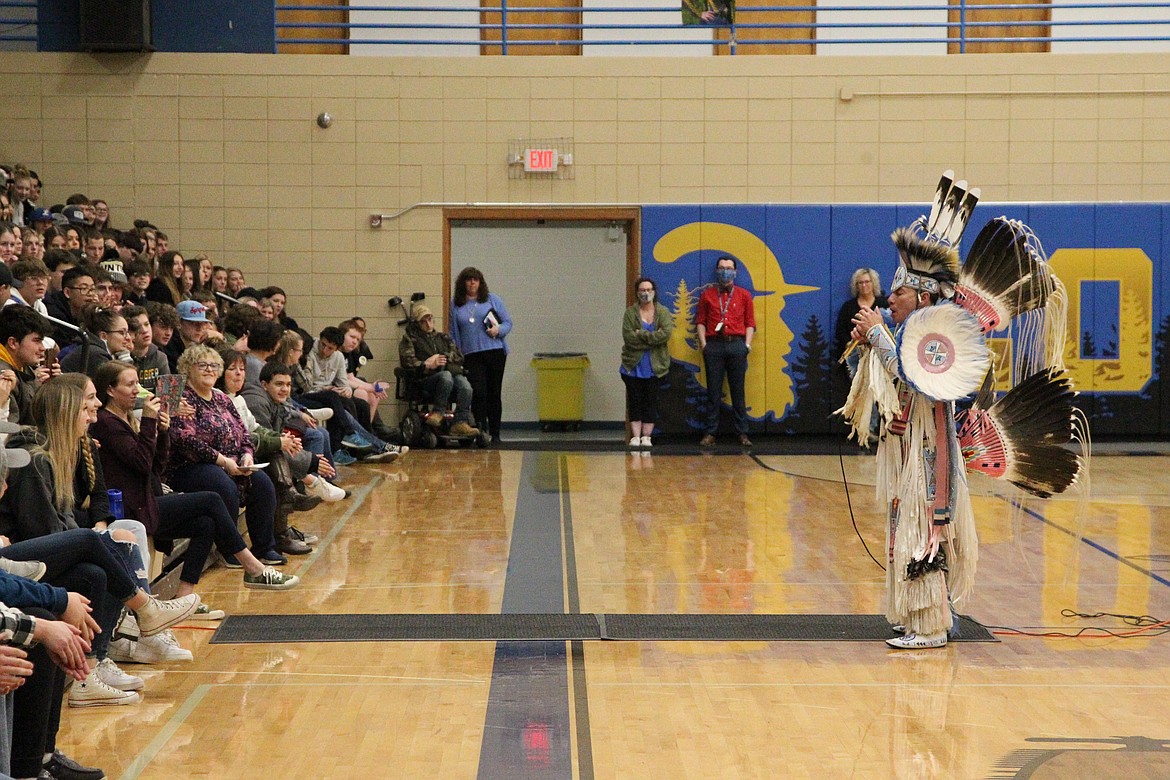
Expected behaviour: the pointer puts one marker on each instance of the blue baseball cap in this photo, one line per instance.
(192, 311)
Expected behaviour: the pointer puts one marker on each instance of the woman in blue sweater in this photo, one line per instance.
(480, 323)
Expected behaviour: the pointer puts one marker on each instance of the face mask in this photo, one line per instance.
(645, 296)
(725, 275)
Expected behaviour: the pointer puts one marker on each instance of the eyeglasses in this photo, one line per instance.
(205, 366)
(84, 289)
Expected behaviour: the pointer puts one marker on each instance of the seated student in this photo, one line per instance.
(370, 392)
(211, 304)
(431, 357)
(41, 514)
(279, 303)
(342, 425)
(360, 356)
(237, 322)
(107, 334)
(134, 456)
(194, 327)
(78, 291)
(326, 364)
(146, 357)
(263, 339)
(34, 277)
(167, 285)
(47, 621)
(137, 280)
(268, 403)
(164, 321)
(235, 282)
(58, 261)
(274, 448)
(22, 350)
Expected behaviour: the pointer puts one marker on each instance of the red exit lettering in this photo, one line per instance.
(540, 160)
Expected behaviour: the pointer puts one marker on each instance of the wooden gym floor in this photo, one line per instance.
(469, 532)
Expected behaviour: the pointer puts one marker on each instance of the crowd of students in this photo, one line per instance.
(146, 397)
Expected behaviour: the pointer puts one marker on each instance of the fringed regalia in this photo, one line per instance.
(939, 355)
(922, 481)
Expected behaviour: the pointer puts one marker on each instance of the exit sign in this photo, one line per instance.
(540, 160)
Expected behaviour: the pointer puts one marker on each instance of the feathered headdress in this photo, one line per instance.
(926, 265)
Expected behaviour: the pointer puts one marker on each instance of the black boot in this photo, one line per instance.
(385, 432)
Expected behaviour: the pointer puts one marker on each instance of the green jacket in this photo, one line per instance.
(635, 341)
(417, 346)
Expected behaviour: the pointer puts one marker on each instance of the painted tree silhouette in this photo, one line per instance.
(812, 371)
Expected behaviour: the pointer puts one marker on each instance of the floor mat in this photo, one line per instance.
(244, 629)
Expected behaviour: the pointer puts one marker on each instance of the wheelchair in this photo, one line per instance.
(416, 432)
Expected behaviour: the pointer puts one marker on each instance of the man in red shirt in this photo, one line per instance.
(726, 322)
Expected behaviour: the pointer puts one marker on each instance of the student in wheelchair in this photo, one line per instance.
(434, 366)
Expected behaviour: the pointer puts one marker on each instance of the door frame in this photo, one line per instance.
(630, 217)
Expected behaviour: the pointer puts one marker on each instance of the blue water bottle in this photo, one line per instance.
(116, 504)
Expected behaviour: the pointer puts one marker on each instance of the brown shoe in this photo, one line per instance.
(463, 429)
(744, 441)
(707, 441)
(434, 419)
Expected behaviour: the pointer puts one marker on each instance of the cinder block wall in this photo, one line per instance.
(223, 151)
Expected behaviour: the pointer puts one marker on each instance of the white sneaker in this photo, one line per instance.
(646, 441)
(158, 649)
(321, 487)
(917, 642)
(157, 615)
(31, 570)
(321, 415)
(95, 693)
(635, 441)
(165, 647)
(108, 672)
(127, 626)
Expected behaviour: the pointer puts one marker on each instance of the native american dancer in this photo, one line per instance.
(932, 352)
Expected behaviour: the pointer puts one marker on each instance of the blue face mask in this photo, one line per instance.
(725, 275)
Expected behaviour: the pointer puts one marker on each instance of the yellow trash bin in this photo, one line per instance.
(560, 388)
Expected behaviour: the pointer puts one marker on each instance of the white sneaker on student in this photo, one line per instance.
(646, 441)
(108, 672)
(157, 615)
(321, 487)
(321, 415)
(918, 642)
(161, 648)
(92, 692)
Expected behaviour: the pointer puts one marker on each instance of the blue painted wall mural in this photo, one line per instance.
(797, 261)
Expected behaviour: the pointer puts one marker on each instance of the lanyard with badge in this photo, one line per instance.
(723, 307)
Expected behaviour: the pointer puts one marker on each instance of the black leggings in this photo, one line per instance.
(485, 371)
(642, 398)
(203, 518)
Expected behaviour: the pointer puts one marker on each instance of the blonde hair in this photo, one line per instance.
(288, 341)
(56, 406)
(198, 353)
(873, 277)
